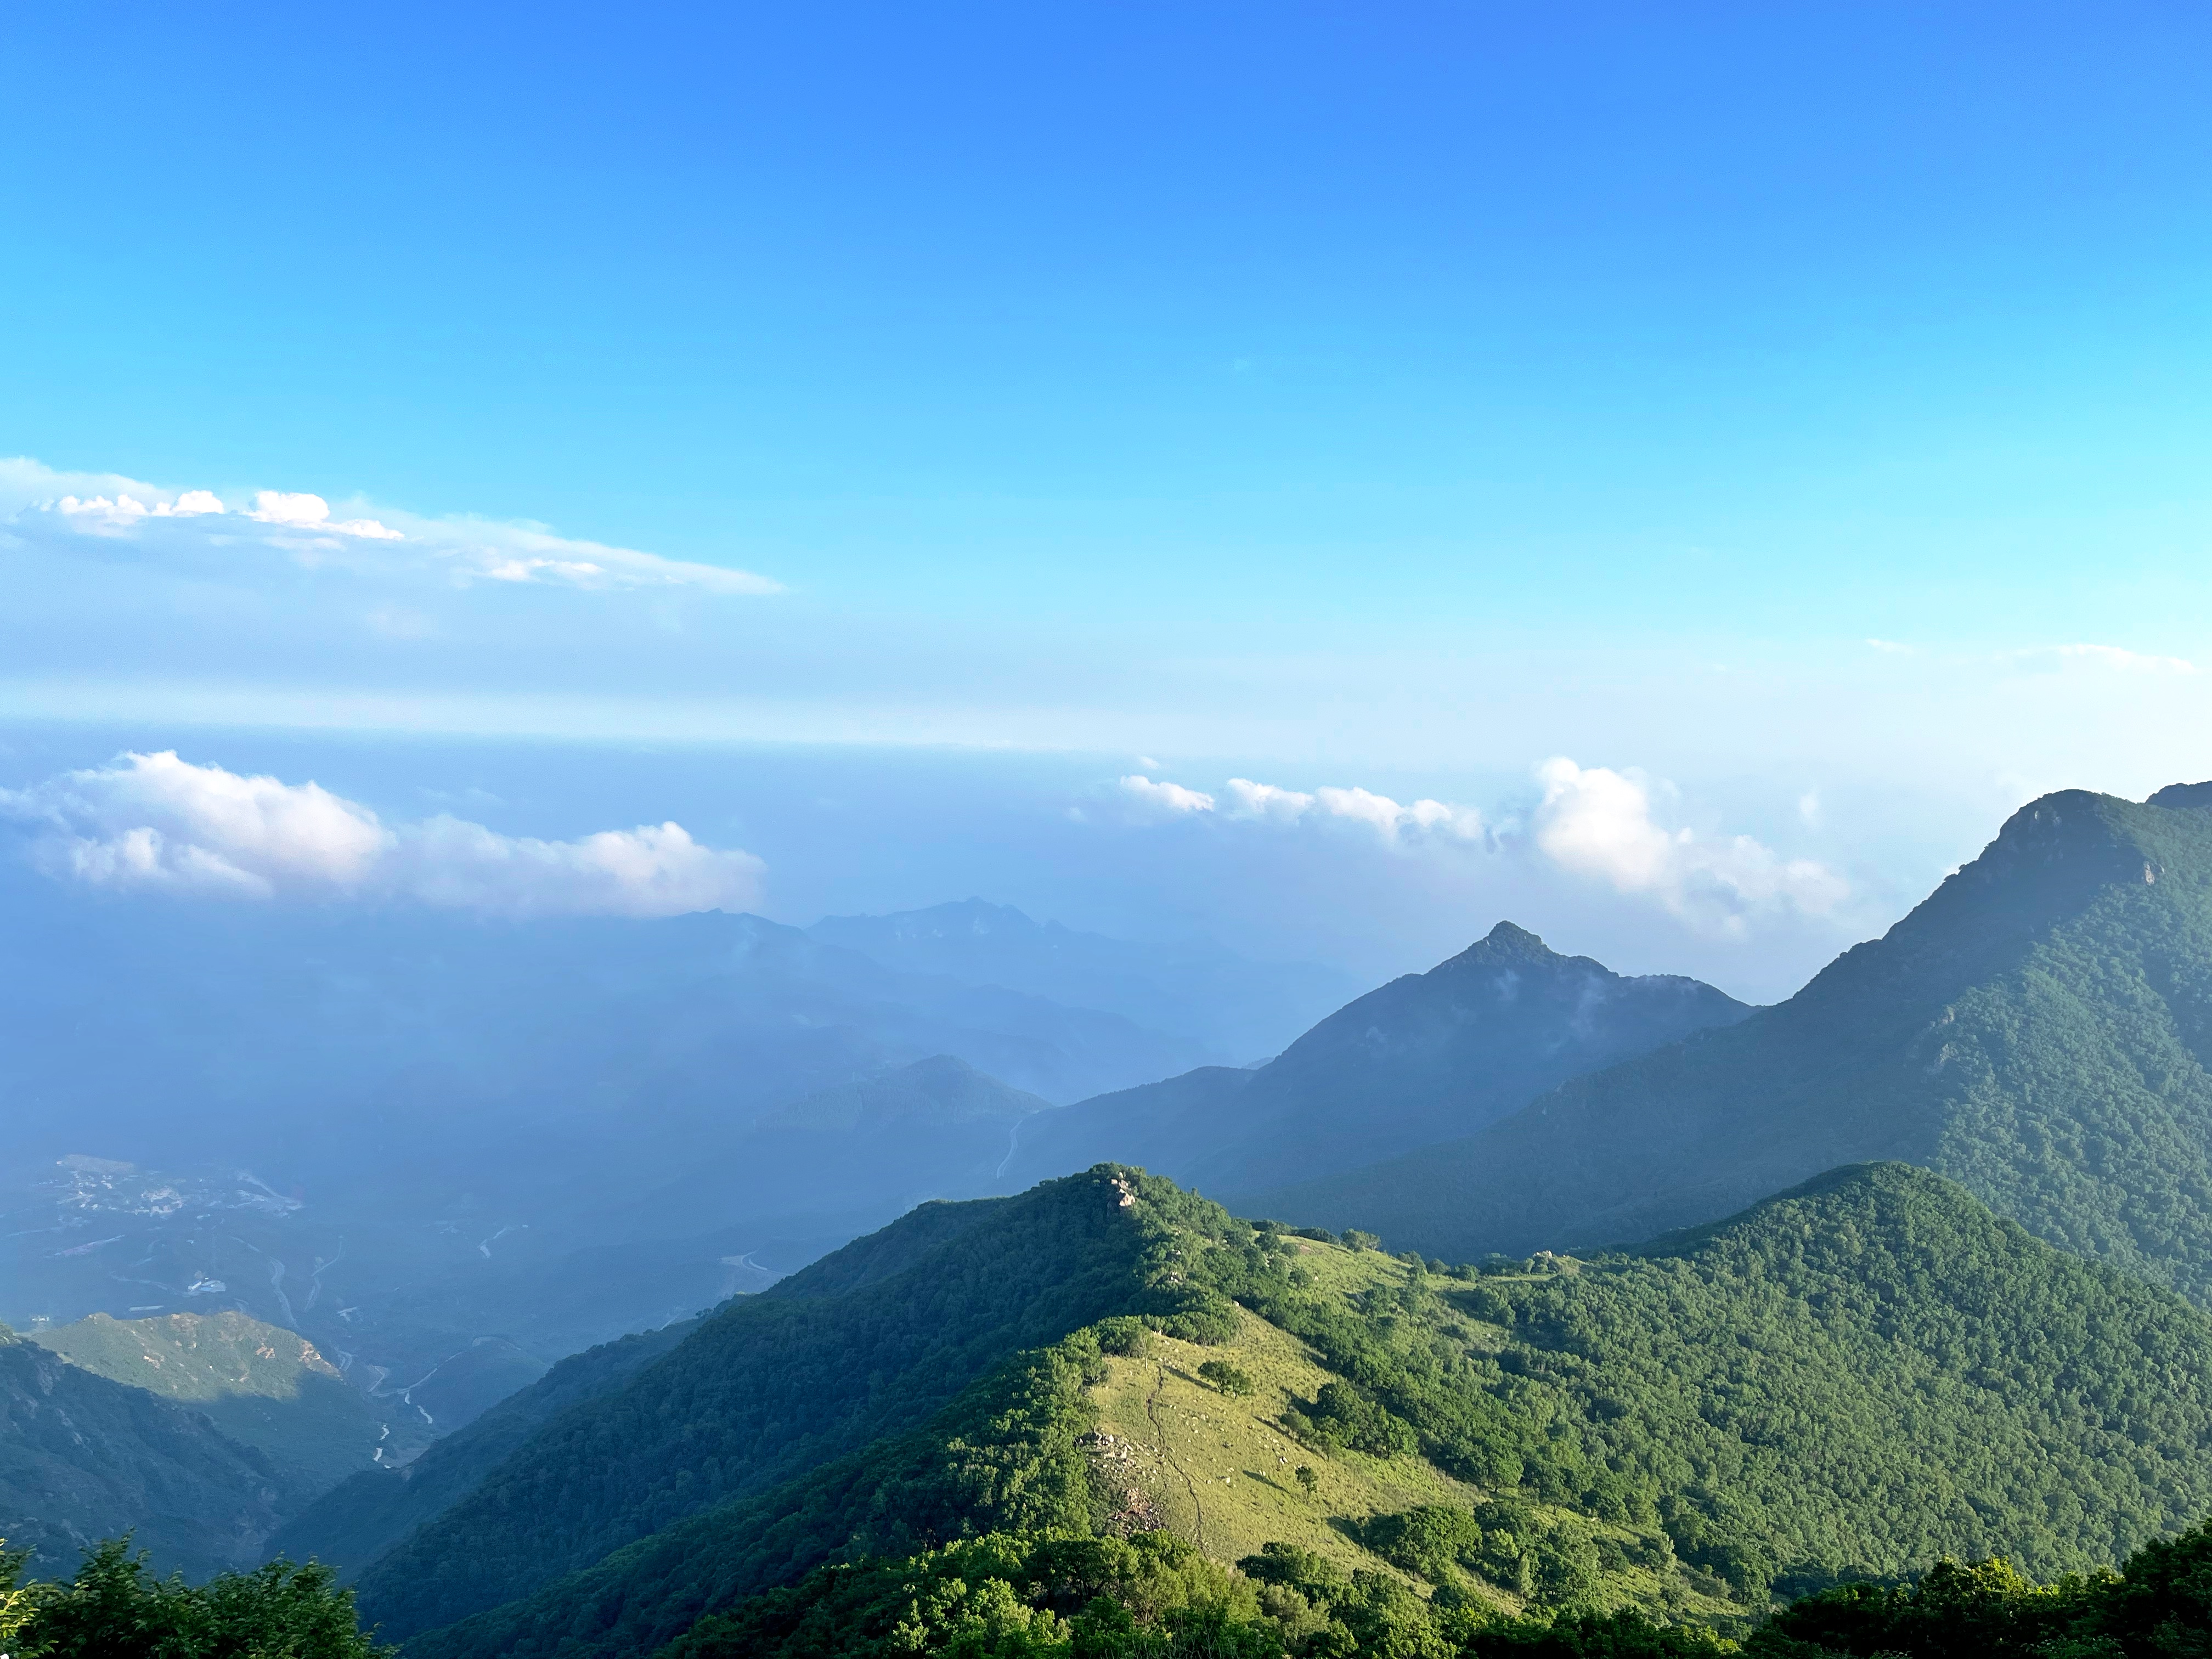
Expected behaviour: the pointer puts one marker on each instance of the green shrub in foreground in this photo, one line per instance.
(113, 1608)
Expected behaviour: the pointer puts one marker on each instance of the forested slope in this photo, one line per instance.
(1854, 1377)
(2039, 1028)
(349, 1526)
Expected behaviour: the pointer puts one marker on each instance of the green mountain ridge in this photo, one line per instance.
(2038, 1028)
(773, 1387)
(1853, 1377)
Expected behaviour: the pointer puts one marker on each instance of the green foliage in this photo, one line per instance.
(2158, 1607)
(1003, 1455)
(1208, 1318)
(1433, 1541)
(1006, 1597)
(1228, 1378)
(1344, 1416)
(1131, 1339)
(1853, 1379)
(114, 1608)
(1148, 1597)
(1356, 1240)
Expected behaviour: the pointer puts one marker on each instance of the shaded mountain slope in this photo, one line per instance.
(83, 1458)
(356, 1521)
(1855, 1377)
(2038, 1027)
(1426, 1057)
(265, 1387)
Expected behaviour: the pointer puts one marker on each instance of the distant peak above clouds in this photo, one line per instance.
(154, 823)
(62, 511)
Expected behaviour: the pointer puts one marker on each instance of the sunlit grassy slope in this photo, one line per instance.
(1220, 1469)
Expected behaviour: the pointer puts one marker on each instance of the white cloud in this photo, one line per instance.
(1171, 798)
(1268, 802)
(1393, 821)
(59, 511)
(304, 511)
(1598, 822)
(1248, 799)
(155, 822)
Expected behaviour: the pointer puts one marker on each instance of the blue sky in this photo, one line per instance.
(1798, 412)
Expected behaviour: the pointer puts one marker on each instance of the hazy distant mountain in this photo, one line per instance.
(858, 1154)
(1426, 1057)
(1238, 1010)
(2039, 1029)
(449, 1150)
(163, 1034)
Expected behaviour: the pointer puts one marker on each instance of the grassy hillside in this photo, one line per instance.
(266, 1387)
(2039, 1029)
(1854, 1377)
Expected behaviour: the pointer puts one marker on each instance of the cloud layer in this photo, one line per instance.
(1598, 822)
(1269, 804)
(153, 821)
(66, 512)
(1590, 822)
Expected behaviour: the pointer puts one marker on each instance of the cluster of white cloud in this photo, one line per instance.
(1267, 802)
(54, 509)
(155, 822)
(1590, 822)
(1595, 822)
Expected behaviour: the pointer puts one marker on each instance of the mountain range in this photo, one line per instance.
(1850, 1377)
(2038, 1029)
(449, 1150)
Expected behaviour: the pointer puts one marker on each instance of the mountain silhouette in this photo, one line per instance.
(1425, 1057)
(2038, 1029)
